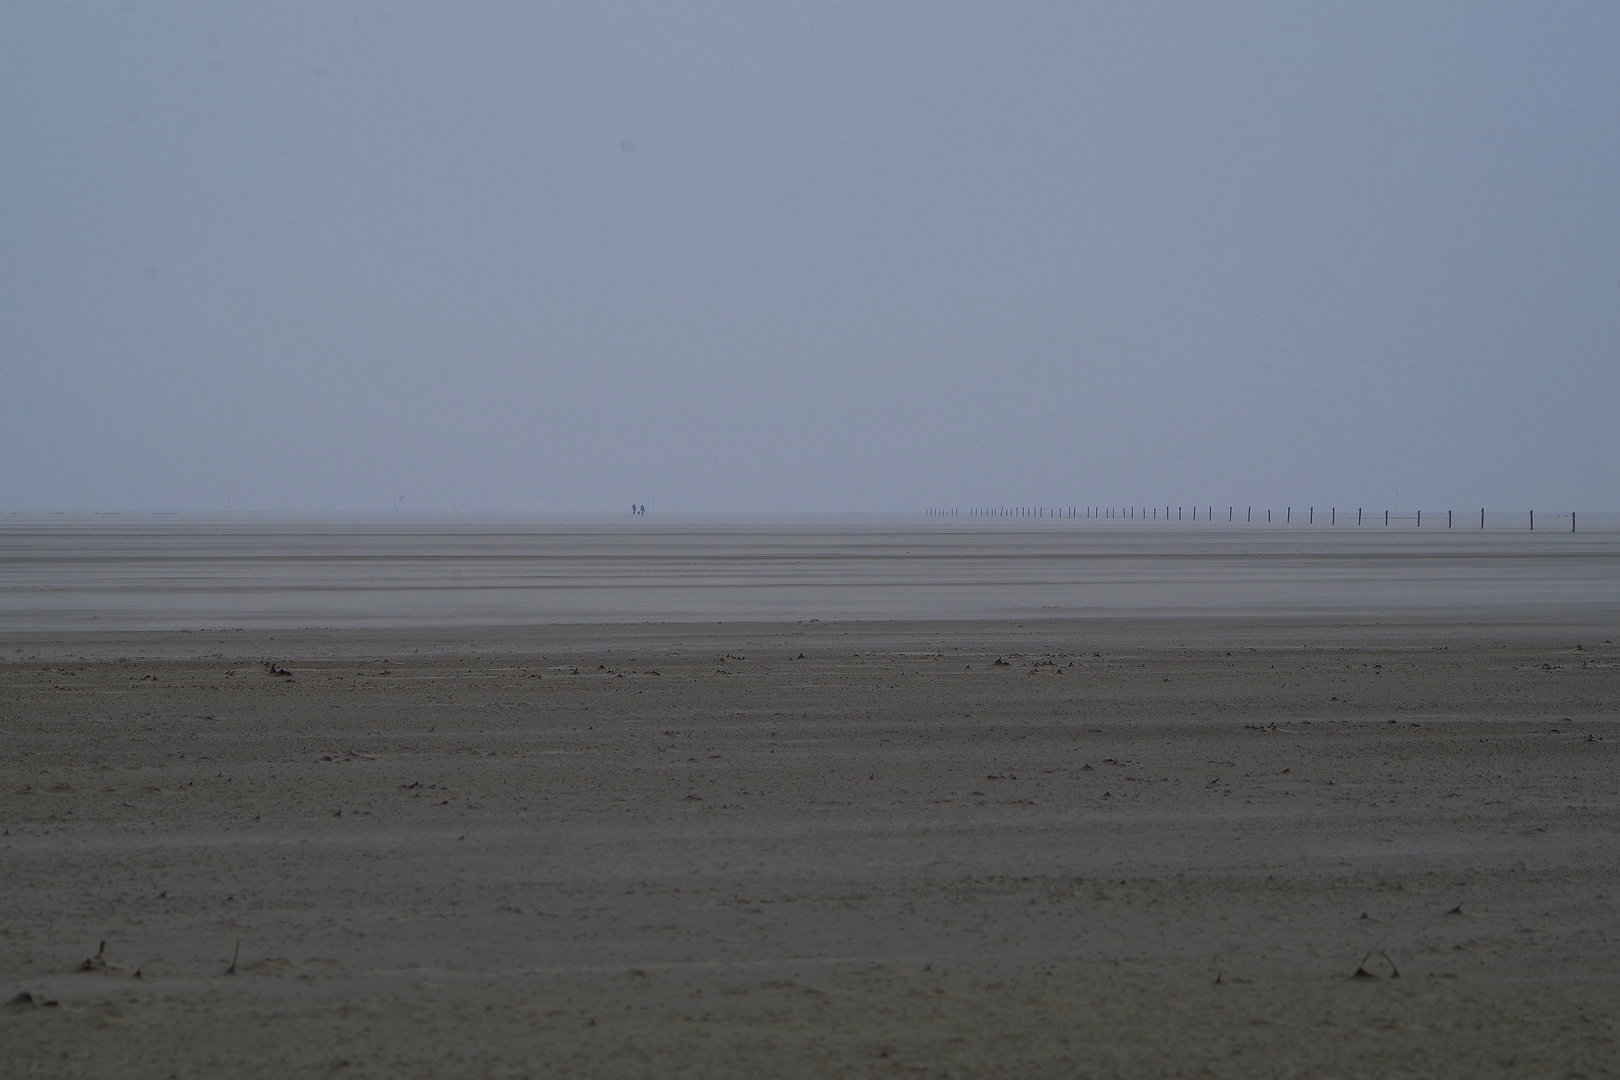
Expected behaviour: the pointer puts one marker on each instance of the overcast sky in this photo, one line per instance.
(822, 256)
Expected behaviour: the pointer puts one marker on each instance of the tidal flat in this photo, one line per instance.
(506, 831)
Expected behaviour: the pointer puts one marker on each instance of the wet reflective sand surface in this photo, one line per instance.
(155, 573)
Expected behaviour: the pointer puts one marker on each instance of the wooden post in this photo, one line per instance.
(1572, 521)
(1482, 517)
(1311, 520)
(1448, 519)
(1386, 517)
(1289, 520)
(1420, 519)
(1358, 515)
(1333, 516)
(1532, 521)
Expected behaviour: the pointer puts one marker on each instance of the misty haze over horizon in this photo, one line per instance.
(830, 257)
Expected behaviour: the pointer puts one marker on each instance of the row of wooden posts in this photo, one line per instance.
(1140, 513)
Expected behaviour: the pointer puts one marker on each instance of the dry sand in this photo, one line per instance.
(1137, 847)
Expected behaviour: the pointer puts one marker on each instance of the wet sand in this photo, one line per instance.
(105, 573)
(473, 846)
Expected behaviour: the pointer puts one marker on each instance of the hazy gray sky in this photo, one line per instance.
(320, 256)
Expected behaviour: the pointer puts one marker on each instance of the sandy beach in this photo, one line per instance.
(823, 797)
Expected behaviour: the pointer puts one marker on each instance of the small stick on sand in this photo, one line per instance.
(97, 962)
